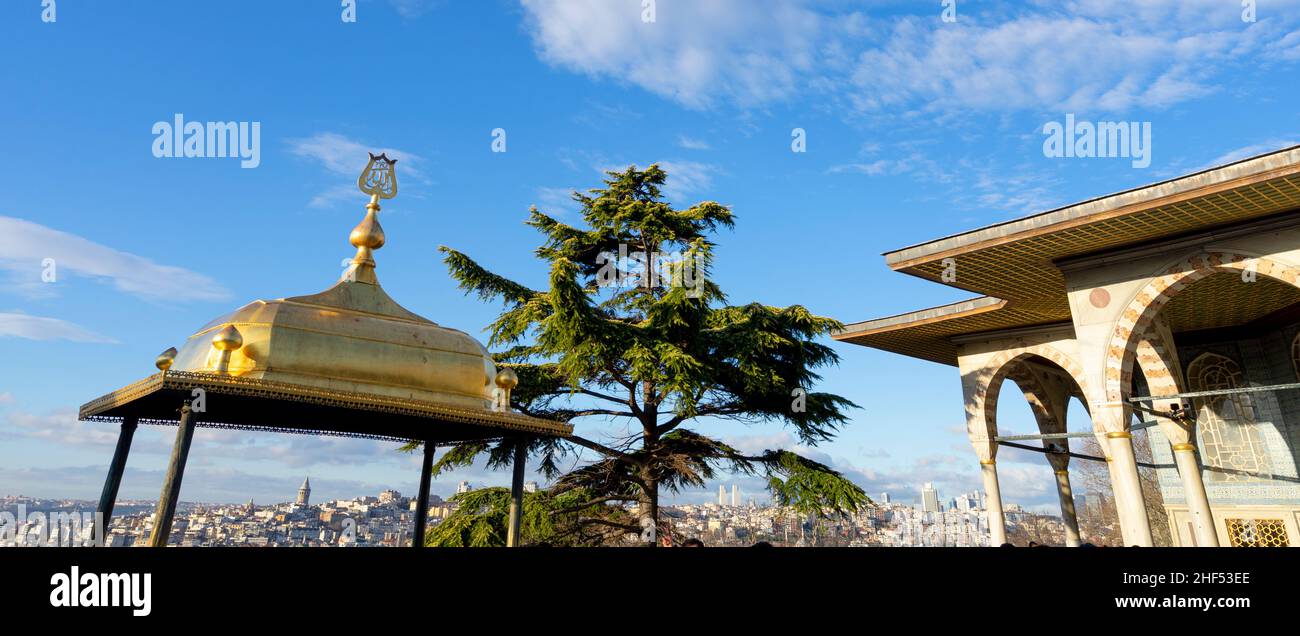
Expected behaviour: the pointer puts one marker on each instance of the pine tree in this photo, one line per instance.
(648, 342)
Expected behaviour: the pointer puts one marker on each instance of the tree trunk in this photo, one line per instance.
(648, 510)
(648, 506)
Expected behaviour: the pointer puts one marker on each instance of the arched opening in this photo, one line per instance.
(1227, 325)
(1040, 506)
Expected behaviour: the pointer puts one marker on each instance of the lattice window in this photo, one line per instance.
(1257, 533)
(1228, 435)
(1295, 355)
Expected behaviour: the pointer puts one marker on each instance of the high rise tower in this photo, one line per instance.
(722, 495)
(929, 498)
(735, 495)
(304, 493)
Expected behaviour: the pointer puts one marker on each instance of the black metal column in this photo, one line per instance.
(171, 490)
(517, 494)
(422, 504)
(108, 497)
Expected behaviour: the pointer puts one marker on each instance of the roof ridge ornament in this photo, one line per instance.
(379, 180)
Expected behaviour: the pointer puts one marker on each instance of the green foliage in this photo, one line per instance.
(810, 488)
(653, 354)
(481, 517)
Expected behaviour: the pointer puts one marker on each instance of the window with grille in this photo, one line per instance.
(1257, 533)
(1295, 355)
(1230, 444)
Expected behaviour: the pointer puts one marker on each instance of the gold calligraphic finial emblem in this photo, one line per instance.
(379, 179)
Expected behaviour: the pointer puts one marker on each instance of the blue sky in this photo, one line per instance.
(916, 128)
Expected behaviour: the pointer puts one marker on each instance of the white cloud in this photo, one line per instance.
(63, 428)
(342, 155)
(20, 325)
(687, 178)
(1035, 62)
(346, 157)
(6, 398)
(25, 246)
(690, 143)
(557, 202)
(747, 51)
(1249, 151)
(1083, 55)
(412, 8)
(334, 195)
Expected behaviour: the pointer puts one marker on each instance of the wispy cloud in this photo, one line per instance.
(413, 8)
(688, 178)
(215, 484)
(346, 157)
(557, 201)
(1084, 54)
(685, 178)
(20, 325)
(691, 143)
(25, 246)
(1030, 485)
(1249, 151)
(697, 53)
(61, 427)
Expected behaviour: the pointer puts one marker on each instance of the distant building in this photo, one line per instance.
(530, 486)
(929, 498)
(463, 487)
(304, 493)
(735, 495)
(884, 498)
(722, 495)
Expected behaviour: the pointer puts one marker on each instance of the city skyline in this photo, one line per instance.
(139, 272)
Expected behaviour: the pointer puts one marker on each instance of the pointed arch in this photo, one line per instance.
(1136, 319)
(982, 410)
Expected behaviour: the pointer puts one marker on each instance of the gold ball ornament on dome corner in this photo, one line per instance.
(165, 359)
(228, 339)
(507, 378)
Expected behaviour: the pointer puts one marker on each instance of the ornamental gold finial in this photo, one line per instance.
(165, 359)
(507, 378)
(506, 381)
(379, 180)
(227, 341)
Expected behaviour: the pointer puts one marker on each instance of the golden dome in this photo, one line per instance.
(351, 337)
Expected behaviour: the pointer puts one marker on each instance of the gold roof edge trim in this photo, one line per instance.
(186, 380)
(1278, 163)
(940, 313)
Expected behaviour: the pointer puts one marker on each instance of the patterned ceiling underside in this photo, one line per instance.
(1022, 271)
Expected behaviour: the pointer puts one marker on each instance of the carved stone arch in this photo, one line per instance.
(1136, 319)
(982, 412)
